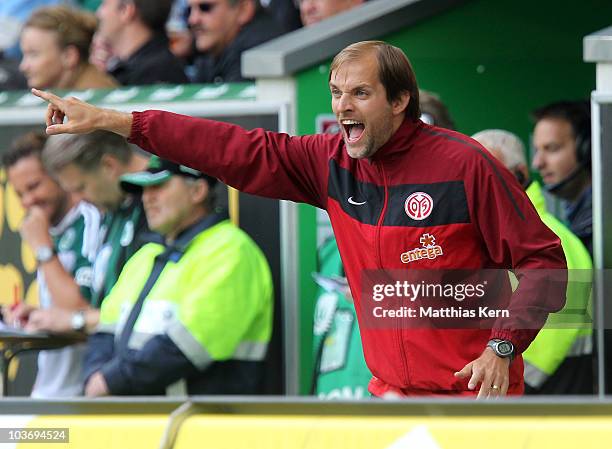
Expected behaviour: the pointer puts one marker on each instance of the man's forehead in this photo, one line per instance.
(354, 77)
(362, 66)
(554, 125)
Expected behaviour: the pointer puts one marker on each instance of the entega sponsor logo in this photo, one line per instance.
(429, 250)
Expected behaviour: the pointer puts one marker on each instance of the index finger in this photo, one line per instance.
(48, 96)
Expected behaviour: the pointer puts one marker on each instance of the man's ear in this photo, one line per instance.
(111, 166)
(400, 104)
(128, 11)
(70, 57)
(199, 191)
(247, 11)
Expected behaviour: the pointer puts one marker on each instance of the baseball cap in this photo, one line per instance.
(159, 171)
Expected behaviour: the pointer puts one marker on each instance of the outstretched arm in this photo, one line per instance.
(259, 162)
(81, 117)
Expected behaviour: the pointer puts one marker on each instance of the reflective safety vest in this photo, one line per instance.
(567, 333)
(210, 293)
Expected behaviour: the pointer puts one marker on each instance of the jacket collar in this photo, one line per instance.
(399, 142)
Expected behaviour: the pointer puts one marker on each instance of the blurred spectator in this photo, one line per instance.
(90, 166)
(136, 33)
(285, 12)
(55, 42)
(195, 305)
(562, 143)
(100, 52)
(223, 29)
(433, 111)
(559, 360)
(313, 11)
(182, 44)
(62, 233)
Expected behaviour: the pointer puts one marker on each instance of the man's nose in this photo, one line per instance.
(344, 103)
(194, 15)
(23, 65)
(28, 200)
(538, 160)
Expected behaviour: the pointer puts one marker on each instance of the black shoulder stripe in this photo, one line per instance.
(361, 200)
(488, 159)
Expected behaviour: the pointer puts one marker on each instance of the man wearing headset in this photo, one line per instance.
(562, 142)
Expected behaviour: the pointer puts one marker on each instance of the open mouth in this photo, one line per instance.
(353, 130)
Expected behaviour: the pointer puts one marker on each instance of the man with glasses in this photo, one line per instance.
(135, 30)
(223, 29)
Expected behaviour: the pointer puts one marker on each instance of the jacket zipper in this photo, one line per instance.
(382, 217)
(398, 329)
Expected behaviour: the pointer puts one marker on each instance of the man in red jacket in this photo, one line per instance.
(401, 195)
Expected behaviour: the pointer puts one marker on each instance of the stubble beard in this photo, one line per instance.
(371, 145)
(367, 149)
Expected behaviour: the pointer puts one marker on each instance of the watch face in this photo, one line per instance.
(44, 253)
(504, 348)
(78, 321)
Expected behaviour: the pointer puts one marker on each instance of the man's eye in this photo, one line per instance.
(361, 93)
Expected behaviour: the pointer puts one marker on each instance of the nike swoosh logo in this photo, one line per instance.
(355, 203)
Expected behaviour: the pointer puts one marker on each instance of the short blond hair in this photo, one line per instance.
(73, 27)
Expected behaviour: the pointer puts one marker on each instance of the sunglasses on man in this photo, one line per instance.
(204, 7)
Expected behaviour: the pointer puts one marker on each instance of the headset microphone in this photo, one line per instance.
(583, 156)
(557, 186)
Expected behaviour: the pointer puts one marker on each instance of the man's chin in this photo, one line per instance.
(355, 151)
(359, 153)
(203, 43)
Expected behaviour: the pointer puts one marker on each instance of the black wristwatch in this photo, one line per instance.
(502, 348)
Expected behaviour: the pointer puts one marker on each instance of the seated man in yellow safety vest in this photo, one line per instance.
(193, 308)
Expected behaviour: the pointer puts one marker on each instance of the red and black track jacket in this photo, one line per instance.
(480, 217)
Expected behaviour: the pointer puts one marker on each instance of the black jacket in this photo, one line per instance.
(152, 63)
(226, 67)
(580, 218)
